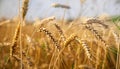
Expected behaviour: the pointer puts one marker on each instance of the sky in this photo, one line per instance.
(43, 8)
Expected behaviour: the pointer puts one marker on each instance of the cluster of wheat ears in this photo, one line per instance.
(92, 44)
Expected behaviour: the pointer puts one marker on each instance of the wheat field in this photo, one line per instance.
(56, 44)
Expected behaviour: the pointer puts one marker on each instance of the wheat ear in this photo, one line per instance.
(15, 38)
(24, 8)
(69, 39)
(22, 23)
(62, 36)
(51, 36)
(44, 21)
(85, 47)
(57, 5)
(41, 24)
(90, 28)
(91, 21)
(96, 34)
(66, 43)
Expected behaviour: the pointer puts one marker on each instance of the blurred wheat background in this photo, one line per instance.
(59, 34)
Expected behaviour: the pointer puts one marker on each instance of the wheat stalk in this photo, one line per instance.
(22, 23)
(4, 22)
(117, 40)
(97, 58)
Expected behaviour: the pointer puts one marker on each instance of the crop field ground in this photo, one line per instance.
(53, 44)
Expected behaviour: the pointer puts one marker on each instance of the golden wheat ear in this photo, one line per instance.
(85, 47)
(50, 36)
(96, 21)
(24, 8)
(15, 38)
(62, 36)
(69, 40)
(96, 34)
(43, 22)
(39, 24)
(13, 44)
